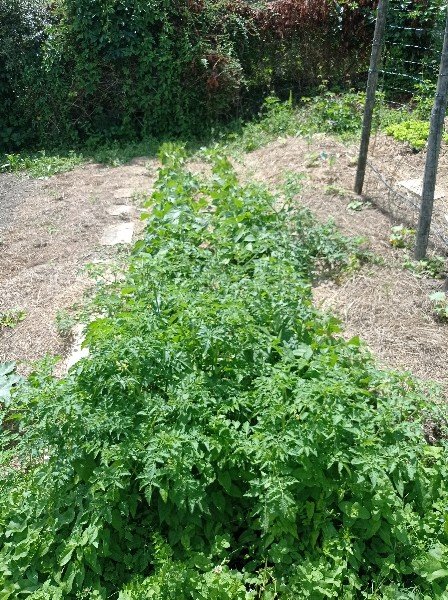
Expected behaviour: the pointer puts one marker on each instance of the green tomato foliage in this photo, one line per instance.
(222, 441)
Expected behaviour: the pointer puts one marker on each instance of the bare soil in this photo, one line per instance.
(49, 230)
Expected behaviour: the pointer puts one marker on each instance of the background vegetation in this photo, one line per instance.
(77, 70)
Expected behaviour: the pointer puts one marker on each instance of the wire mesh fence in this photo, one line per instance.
(394, 175)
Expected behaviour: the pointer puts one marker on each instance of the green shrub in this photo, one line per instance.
(336, 113)
(414, 132)
(222, 441)
(22, 32)
(112, 70)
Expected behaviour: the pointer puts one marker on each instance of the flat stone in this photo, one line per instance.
(77, 352)
(121, 233)
(119, 210)
(415, 186)
(124, 193)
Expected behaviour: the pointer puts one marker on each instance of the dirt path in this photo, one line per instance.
(49, 230)
(386, 305)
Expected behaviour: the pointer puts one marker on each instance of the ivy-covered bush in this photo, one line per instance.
(22, 32)
(81, 70)
(222, 441)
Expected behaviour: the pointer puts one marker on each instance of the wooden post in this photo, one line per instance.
(372, 84)
(432, 156)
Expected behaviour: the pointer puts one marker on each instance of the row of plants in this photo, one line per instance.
(222, 440)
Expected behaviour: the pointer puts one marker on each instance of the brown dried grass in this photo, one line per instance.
(386, 305)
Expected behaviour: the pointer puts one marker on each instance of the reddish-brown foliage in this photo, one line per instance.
(283, 16)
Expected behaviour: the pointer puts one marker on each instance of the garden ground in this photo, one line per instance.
(51, 228)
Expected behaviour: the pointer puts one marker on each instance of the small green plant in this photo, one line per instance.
(439, 301)
(11, 318)
(65, 321)
(312, 160)
(292, 184)
(401, 236)
(358, 205)
(335, 190)
(415, 132)
(434, 266)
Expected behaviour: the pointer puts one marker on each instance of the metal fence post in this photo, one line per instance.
(432, 156)
(372, 84)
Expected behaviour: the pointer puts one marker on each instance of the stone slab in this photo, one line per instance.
(121, 233)
(121, 210)
(415, 186)
(77, 352)
(124, 193)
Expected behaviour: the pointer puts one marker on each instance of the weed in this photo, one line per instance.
(65, 321)
(358, 205)
(434, 266)
(401, 237)
(312, 160)
(11, 318)
(46, 163)
(439, 301)
(335, 190)
(51, 228)
(292, 184)
(41, 164)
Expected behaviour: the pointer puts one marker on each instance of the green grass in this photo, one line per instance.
(336, 114)
(339, 115)
(41, 164)
(46, 164)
